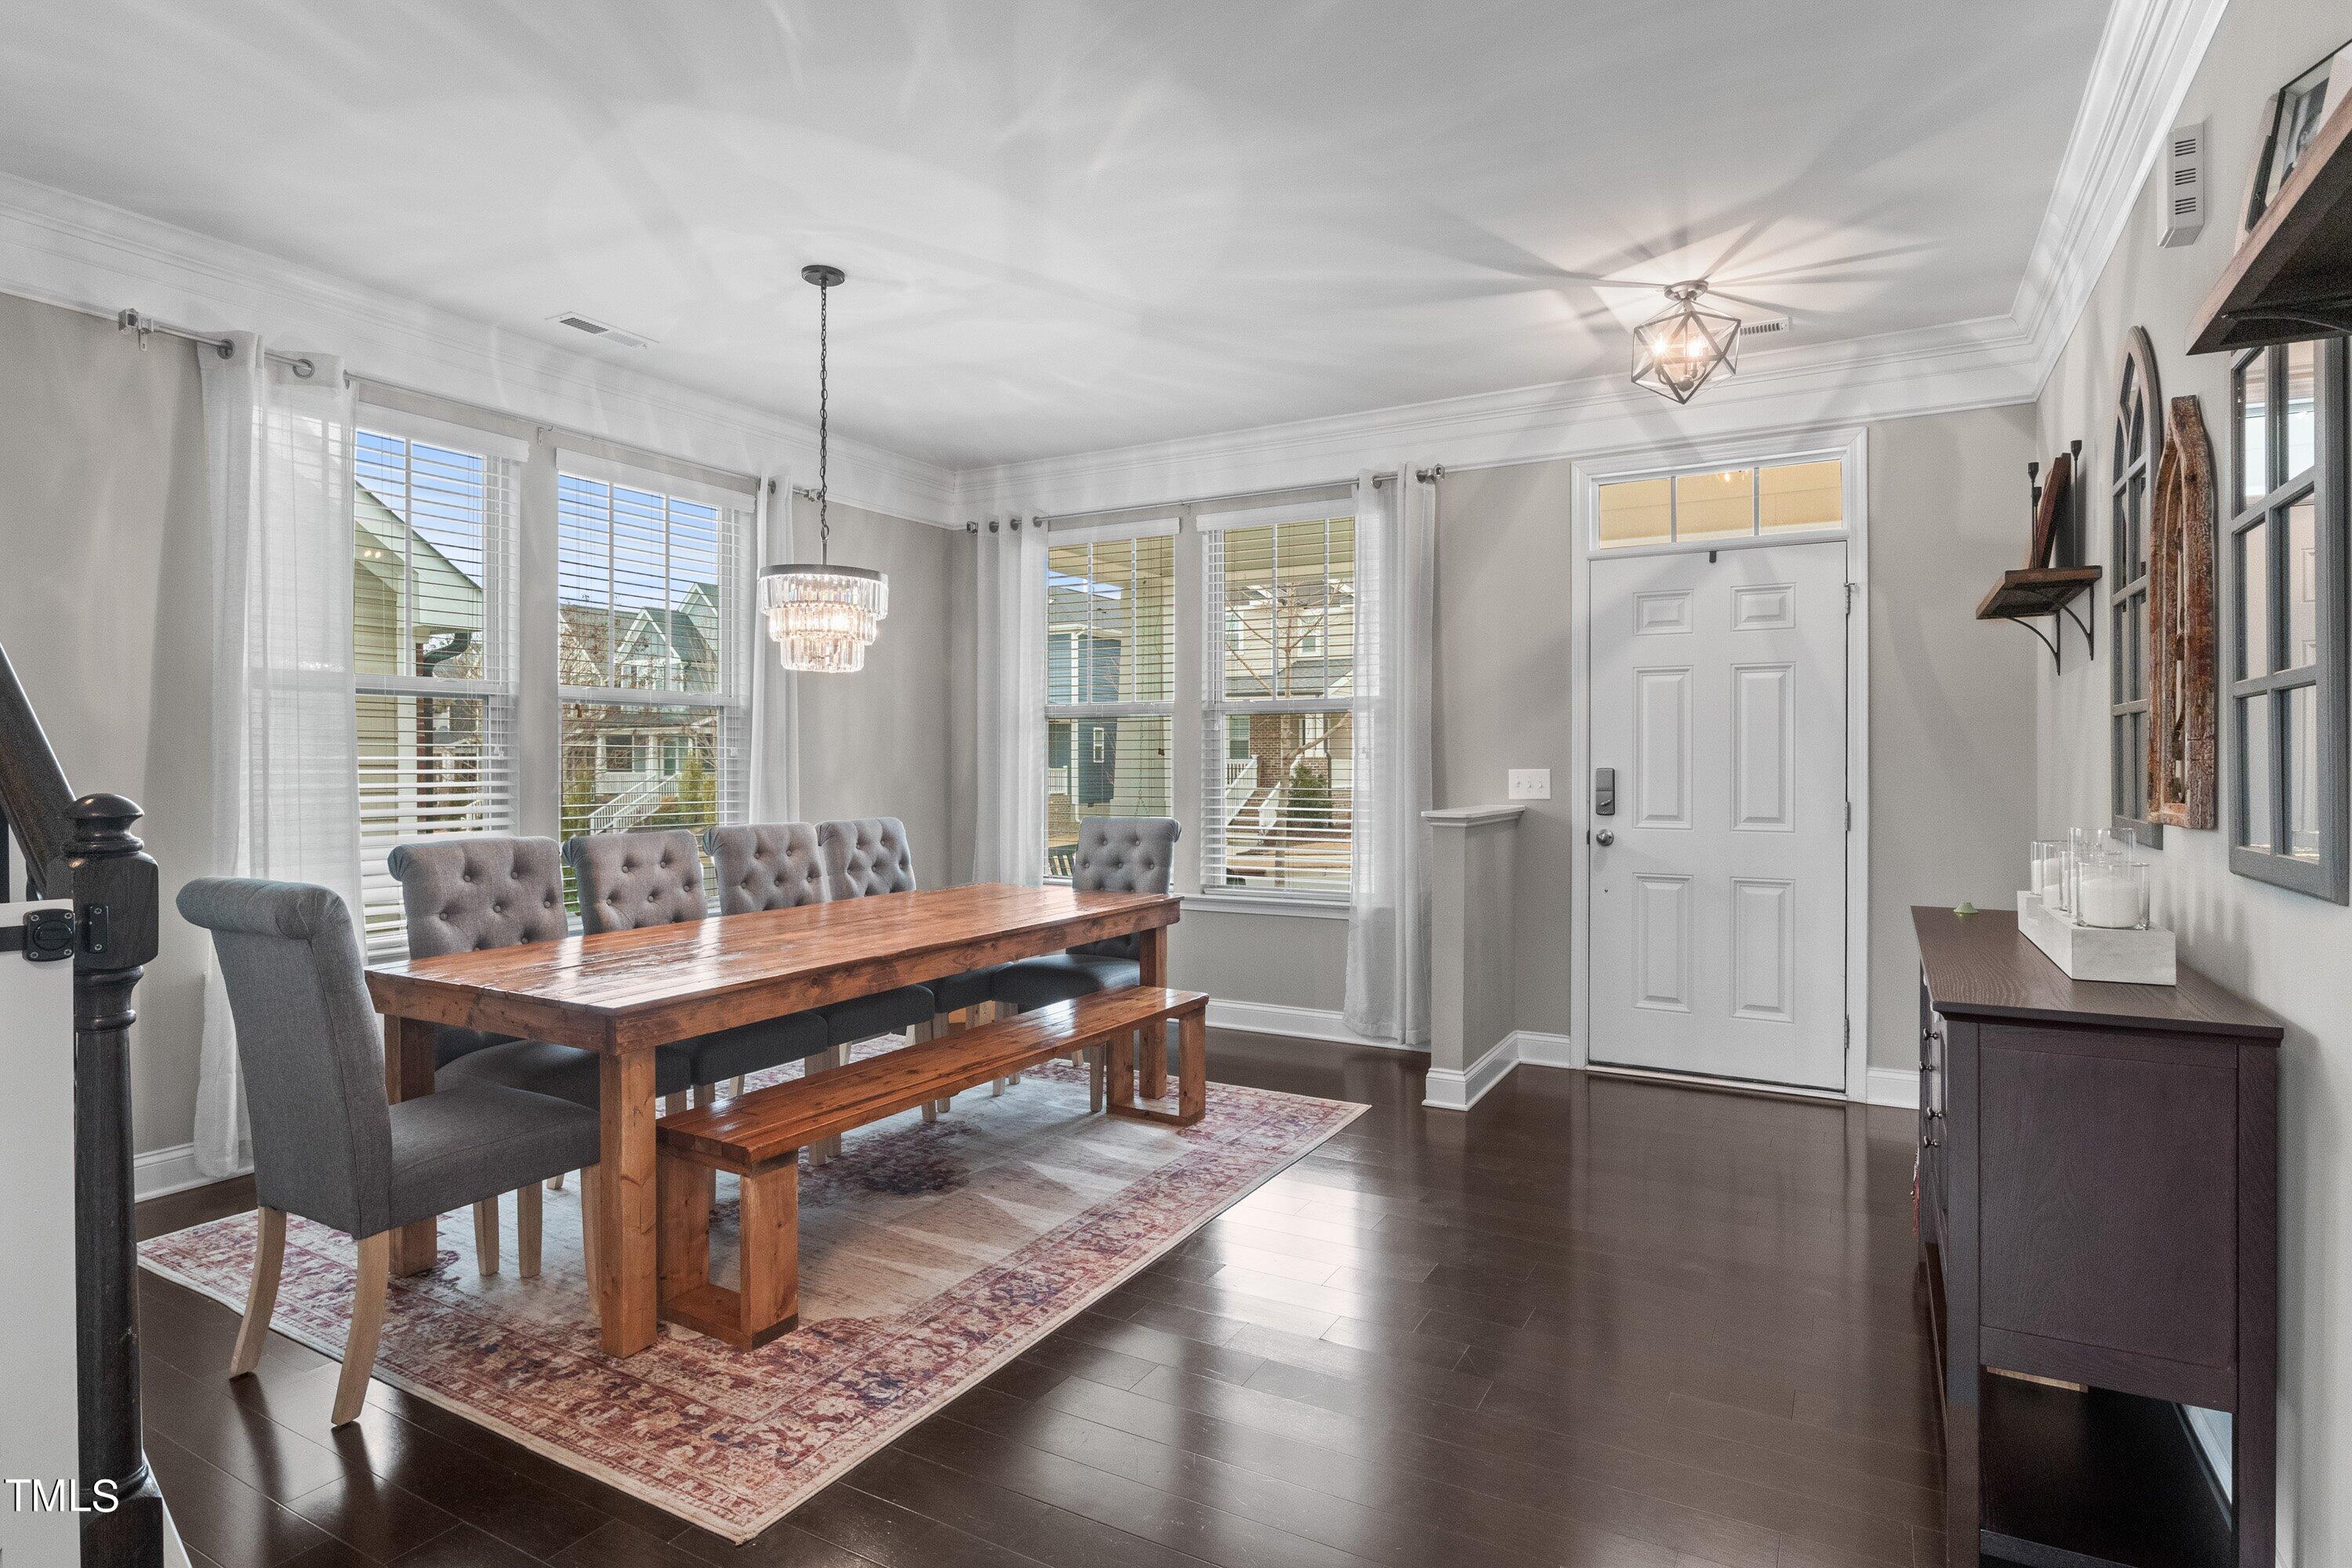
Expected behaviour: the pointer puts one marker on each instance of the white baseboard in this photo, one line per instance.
(1447, 1089)
(161, 1171)
(1893, 1085)
(1300, 1023)
(1538, 1050)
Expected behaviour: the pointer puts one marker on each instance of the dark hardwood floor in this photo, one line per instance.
(1595, 1321)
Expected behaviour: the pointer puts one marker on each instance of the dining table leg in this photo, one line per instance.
(628, 1279)
(1151, 1045)
(408, 1075)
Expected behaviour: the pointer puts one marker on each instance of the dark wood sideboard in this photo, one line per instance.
(2098, 1208)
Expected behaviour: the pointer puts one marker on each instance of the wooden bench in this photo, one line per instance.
(758, 1137)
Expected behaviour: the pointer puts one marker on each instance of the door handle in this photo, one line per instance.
(1604, 837)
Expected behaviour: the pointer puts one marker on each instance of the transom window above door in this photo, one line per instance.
(1708, 509)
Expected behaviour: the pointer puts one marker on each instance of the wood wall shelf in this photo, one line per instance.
(2040, 593)
(2291, 278)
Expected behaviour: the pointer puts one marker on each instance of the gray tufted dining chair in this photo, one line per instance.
(469, 894)
(766, 865)
(866, 857)
(1114, 855)
(629, 880)
(326, 1146)
(862, 858)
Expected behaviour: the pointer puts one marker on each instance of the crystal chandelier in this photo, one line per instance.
(1677, 353)
(823, 618)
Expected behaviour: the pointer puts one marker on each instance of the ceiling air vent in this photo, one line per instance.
(2181, 218)
(1764, 327)
(596, 328)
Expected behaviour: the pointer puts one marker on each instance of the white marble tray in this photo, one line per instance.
(2097, 953)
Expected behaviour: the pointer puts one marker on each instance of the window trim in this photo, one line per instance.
(507, 464)
(1126, 530)
(1215, 707)
(2329, 486)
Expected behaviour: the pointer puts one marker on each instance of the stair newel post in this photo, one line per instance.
(115, 888)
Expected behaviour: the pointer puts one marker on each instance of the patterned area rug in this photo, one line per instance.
(929, 1255)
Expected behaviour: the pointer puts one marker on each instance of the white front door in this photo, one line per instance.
(1717, 885)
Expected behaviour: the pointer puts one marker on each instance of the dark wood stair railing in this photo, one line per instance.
(84, 849)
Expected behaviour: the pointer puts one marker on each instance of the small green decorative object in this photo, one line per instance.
(1965, 909)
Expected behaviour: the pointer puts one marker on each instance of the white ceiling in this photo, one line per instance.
(1070, 227)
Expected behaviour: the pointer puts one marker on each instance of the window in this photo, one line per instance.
(1280, 598)
(1110, 686)
(433, 646)
(652, 634)
(2137, 449)
(1765, 501)
(2290, 416)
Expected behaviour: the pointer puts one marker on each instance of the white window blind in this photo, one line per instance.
(654, 651)
(1111, 681)
(433, 646)
(1280, 634)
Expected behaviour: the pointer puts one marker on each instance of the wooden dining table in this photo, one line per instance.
(621, 993)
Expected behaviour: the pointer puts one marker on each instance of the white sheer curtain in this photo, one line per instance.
(278, 434)
(1387, 995)
(775, 786)
(1009, 839)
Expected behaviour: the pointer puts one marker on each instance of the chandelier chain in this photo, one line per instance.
(823, 440)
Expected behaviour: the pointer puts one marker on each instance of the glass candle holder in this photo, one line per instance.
(2111, 893)
(2045, 871)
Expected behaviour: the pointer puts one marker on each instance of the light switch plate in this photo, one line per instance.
(1530, 784)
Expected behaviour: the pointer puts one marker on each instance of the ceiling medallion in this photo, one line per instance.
(824, 617)
(1679, 351)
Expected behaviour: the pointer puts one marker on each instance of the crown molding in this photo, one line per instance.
(65, 249)
(1966, 364)
(2147, 57)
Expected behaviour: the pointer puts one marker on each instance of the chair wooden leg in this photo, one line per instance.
(367, 1326)
(672, 1104)
(930, 1112)
(527, 1230)
(486, 1236)
(1097, 1073)
(555, 1183)
(269, 1256)
(735, 1087)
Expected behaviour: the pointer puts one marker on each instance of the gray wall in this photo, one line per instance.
(102, 503)
(1951, 731)
(876, 744)
(1952, 735)
(2286, 950)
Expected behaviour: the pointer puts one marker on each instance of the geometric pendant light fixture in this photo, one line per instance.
(823, 618)
(1680, 350)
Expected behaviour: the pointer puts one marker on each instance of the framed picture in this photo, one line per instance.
(2291, 118)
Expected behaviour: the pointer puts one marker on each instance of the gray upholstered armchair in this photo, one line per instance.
(326, 1146)
(632, 879)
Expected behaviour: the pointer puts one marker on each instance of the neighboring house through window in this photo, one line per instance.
(652, 651)
(432, 644)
